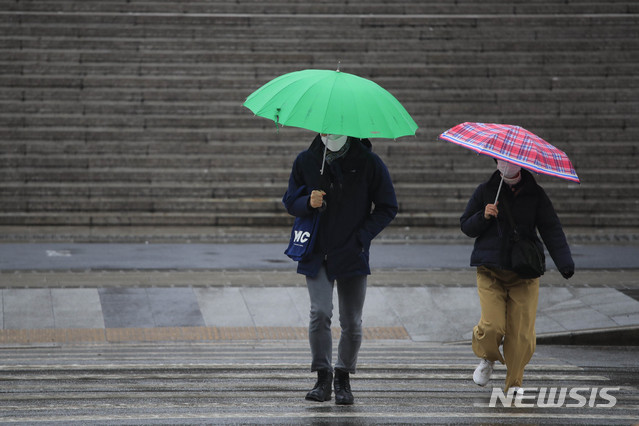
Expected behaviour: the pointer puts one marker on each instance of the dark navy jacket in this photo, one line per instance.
(360, 203)
(531, 210)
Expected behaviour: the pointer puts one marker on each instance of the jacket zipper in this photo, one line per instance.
(330, 224)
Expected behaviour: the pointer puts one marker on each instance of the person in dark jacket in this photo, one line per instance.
(356, 198)
(508, 301)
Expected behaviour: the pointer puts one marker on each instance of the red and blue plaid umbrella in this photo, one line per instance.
(513, 144)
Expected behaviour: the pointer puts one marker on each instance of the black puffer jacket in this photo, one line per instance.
(531, 210)
(360, 202)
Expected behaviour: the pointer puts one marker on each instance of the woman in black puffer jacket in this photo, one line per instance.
(508, 301)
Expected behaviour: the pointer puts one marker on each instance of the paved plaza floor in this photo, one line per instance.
(113, 330)
(421, 292)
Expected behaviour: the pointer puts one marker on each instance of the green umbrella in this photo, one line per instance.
(334, 102)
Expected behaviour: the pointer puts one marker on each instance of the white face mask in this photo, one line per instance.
(334, 142)
(508, 170)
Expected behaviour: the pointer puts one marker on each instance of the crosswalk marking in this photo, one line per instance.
(264, 382)
(248, 417)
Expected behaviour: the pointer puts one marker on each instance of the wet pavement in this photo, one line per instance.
(216, 333)
(127, 256)
(421, 292)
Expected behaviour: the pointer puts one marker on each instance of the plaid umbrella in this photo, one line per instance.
(513, 144)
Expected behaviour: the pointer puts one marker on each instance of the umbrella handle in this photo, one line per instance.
(323, 161)
(499, 189)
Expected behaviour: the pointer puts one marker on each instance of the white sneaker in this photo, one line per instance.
(482, 373)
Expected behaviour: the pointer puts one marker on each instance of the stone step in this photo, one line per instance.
(450, 220)
(207, 21)
(556, 188)
(142, 204)
(144, 50)
(425, 155)
(94, 47)
(94, 70)
(163, 161)
(159, 190)
(497, 84)
(437, 219)
(45, 68)
(270, 147)
(606, 38)
(215, 159)
(34, 124)
(262, 204)
(270, 174)
(145, 219)
(221, 100)
(330, 7)
(67, 97)
(75, 109)
(620, 89)
(267, 138)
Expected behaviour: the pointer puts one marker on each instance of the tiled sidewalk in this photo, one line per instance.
(173, 312)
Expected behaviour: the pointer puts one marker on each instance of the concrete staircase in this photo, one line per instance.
(130, 112)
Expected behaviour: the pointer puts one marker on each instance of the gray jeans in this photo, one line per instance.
(351, 293)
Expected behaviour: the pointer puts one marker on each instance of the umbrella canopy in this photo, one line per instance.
(513, 144)
(332, 102)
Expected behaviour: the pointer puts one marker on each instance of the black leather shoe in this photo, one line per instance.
(342, 384)
(322, 390)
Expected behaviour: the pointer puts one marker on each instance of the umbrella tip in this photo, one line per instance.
(338, 65)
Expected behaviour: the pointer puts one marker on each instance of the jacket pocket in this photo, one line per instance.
(349, 259)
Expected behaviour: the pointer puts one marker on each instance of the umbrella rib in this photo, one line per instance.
(326, 126)
(294, 100)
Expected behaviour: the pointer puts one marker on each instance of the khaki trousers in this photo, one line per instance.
(508, 311)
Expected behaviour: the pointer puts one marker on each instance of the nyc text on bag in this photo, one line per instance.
(303, 236)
